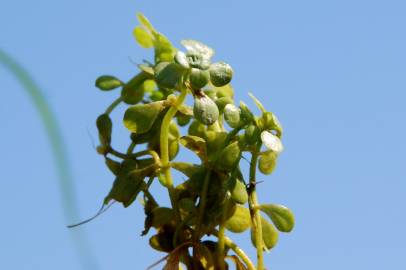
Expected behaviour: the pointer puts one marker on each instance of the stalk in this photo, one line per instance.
(164, 145)
(253, 202)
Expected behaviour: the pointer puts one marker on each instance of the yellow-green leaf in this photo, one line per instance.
(269, 235)
(140, 118)
(143, 38)
(280, 215)
(240, 220)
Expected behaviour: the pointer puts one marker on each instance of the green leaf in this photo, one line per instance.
(271, 142)
(168, 74)
(143, 38)
(161, 242)
(220, 74)
(280, 215)
(269, 235)
(195, 144)
(162, 216)
(125, 189)
(258, 103)
(239, 221)
(187, 168)
(107, 83)
(133, 91)
(104, 126)
(229, 157)
(205, 257)
(140, 118)
(145, 22)
(238, 190)
(113, 165)
(267, 162)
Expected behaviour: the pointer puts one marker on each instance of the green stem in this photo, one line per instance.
(164, 147)
(113, 105)
(221, 239)
(253, 202)
(240, 253)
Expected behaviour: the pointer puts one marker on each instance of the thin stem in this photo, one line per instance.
(164, 147)
(253, 202)
(113, 105)
(221, 239)
(240, 253)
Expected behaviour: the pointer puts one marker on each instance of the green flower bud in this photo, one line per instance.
(205, 110)
(198, 78)
(223, 101)
(267, 162)
(104, 126)
(246, 115)
(232, 115)
(107, 83)
(251, 134)
(220, 74)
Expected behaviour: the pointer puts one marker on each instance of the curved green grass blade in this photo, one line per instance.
(68, 198)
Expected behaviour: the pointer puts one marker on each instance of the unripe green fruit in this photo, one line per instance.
(181, 59)
(220, 74)
(107, 83)
(205, 110)
(198, 78)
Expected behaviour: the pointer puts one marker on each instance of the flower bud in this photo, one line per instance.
(232, 115)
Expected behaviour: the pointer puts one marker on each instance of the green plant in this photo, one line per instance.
(213, 198)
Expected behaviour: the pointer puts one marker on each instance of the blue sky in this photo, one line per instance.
(333, 72)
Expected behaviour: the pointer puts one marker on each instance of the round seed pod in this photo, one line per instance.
(232, 115)
(205, 110)
(267, 162)
(220, 74)
(107, 83)
(198, 78)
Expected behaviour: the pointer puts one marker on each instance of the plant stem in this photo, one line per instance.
(253, 202)
(240, 253)
(113, 105)
(164, 145)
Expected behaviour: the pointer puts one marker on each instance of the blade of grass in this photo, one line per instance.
(67, 192)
